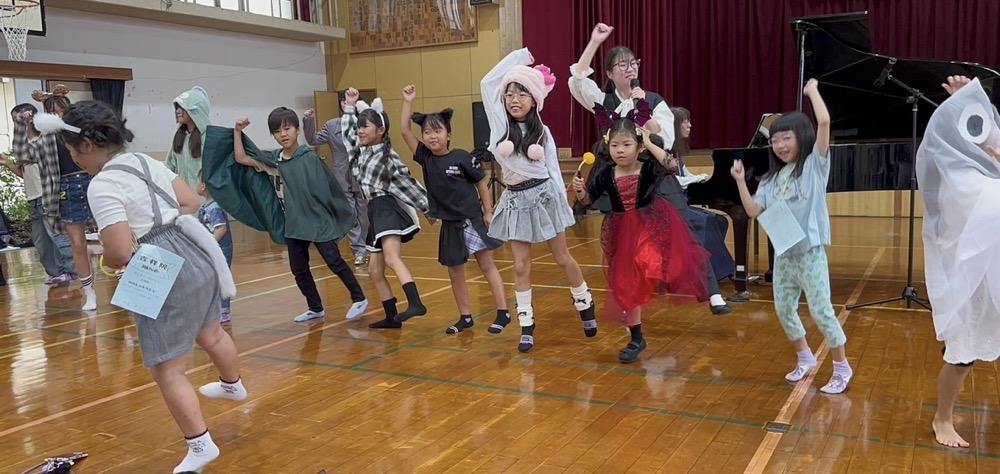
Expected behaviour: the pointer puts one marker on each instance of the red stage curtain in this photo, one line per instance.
(729, 61)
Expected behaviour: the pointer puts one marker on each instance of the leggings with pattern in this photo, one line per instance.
(808, 272)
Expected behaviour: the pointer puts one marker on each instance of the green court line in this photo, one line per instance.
(623, 406)
(610, 404)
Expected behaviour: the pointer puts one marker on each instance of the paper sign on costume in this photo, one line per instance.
(147, 280)
(781, 226)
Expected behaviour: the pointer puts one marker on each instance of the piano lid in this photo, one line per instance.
(839, 55)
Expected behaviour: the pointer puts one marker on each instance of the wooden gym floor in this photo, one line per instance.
(707, 396)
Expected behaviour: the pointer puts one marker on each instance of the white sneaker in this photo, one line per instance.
(308, 316)
(360, 260)
(357, 309)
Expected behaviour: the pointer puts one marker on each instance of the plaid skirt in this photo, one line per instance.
(461, 239)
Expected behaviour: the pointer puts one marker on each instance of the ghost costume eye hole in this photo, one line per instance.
(974, 124)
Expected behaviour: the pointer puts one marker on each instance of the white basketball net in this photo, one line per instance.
(14, 22)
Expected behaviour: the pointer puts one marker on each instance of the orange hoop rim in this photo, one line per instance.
(18, 4)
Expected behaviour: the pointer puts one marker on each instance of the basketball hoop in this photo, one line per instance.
(14, 20)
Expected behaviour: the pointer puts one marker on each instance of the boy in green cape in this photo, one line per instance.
(289, 193)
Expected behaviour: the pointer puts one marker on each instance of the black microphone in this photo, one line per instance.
(634, 85)
(885, 73)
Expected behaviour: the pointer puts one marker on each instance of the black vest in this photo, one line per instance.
(611, 102)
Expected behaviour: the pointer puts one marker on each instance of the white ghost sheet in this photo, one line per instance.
(960, 184)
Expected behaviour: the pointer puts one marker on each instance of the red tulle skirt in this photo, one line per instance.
(650, 248)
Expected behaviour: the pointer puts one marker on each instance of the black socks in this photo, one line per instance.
(527, 338)
(389, 306)
(636, 332)
(502, 320)
(415, 307)
(631, 351)
(464, 322)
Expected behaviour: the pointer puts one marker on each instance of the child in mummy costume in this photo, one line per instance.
(958, 167)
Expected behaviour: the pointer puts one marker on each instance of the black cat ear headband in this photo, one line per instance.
(640, 114)
(419, 118)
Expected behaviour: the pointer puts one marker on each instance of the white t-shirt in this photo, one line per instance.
(116, 196)
(32, 181)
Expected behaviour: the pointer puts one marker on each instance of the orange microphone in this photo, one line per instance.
(588, 159)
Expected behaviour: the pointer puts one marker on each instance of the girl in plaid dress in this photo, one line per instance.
(392, 195)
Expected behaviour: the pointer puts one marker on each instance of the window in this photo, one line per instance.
(274, 8)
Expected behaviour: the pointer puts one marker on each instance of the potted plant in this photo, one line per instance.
(16, 215)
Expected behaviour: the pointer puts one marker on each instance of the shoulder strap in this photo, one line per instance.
(154, 189)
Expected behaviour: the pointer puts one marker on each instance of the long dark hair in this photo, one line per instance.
(799, 124)
(611, 60)
(379, 120)
(98, 122)
(181, 133)
(534, 129)
(681, 145)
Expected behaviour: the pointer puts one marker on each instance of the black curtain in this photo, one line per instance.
(109, 91)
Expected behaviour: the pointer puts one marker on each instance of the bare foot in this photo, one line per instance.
(946, 435)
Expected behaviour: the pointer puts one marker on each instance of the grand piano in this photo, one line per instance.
(871, 126)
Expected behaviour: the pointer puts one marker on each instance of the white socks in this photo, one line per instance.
(225, 390)
(716, 300)
(525, 315)
(201, 451)
(582, 299)
(806, 363)
(88, 290)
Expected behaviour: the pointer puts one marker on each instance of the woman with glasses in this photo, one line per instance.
(618, 95)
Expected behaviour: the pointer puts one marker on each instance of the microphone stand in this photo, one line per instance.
(494, 182)
(909, 294)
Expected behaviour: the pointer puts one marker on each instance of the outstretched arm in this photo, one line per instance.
(583, 89)
(349, 122)
(405, 128)
(822, 118)
(240, 152)
(314, 137)
(490, 86)
(13, 167)
(26, 150)
(749, 205)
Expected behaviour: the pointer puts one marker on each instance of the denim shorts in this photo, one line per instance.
(73, 207)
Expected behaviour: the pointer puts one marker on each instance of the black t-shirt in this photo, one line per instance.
(66, 163)
(451, 183)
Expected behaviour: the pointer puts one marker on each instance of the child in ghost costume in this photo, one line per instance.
(958, 168)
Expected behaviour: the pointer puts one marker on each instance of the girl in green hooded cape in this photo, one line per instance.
(191, 110)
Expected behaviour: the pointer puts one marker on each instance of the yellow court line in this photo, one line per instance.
(769, 444)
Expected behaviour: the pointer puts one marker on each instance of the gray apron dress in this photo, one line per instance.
(194, 301)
